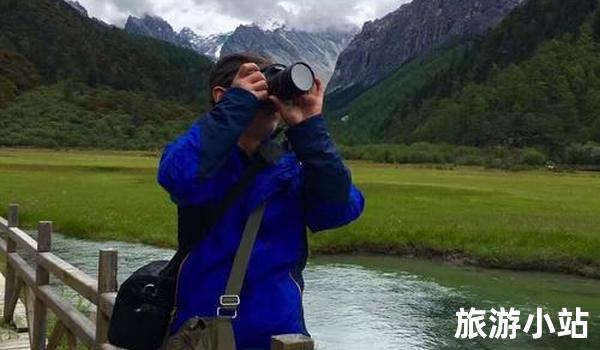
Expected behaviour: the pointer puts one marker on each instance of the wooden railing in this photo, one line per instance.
(31, 283)
(72, 324)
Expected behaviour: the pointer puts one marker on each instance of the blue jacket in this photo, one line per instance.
(309, 187)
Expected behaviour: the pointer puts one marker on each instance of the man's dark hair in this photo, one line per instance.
(227, 67)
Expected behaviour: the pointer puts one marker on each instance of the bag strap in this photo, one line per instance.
(234, 193)
(230, 301)
(269, 153)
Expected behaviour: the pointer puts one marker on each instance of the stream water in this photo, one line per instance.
(373, 302)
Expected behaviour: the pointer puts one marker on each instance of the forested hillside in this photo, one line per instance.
(528, 89)
(532, 81)
(64, 76)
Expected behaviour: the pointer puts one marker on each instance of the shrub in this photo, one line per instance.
(533, 157)
(586, 154)
(471, 160)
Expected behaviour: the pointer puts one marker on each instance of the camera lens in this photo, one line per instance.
(302, 76)
(288, 82)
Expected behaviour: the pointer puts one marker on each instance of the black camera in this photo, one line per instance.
(289, 82)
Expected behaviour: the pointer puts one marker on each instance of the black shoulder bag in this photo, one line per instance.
(144, 306)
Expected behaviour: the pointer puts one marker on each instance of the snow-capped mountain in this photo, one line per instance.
(271, 39)
(286, 45)
(206, 45)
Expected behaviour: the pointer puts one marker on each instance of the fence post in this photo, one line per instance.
(292, 342)
(10, 287)
(107, 283)
(42, 277)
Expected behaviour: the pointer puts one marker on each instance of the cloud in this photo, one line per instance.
(213, 16)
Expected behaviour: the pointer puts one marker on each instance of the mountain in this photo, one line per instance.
(206, 45)
(78, 7)
(154, 27)
(530, 81)
(415, 28)
(67, 80)
(282, 44)
(61, 44)
(285, 45)
(157, 28)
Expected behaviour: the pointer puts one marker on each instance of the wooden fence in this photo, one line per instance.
(31, 283)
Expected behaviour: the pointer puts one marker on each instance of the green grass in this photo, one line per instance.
(504, 218)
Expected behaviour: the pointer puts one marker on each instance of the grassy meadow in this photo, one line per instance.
(533, 219)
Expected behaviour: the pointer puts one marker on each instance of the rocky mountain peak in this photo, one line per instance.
(288, 45)
(152, 26)
(271, 39)
(78, 7)
(385, 44)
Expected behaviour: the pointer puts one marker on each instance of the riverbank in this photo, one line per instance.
(579, 267)
(536, 220)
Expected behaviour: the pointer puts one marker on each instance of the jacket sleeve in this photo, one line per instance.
(188, 165)
(330, 199)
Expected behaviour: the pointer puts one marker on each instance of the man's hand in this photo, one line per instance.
(303, 107)
(250, 78)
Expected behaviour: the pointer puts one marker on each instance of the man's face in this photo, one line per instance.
(263, 125)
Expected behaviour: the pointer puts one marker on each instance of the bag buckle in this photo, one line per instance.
(228, 303)
(229, 300)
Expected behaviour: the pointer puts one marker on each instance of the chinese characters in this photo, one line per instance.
(504, 324)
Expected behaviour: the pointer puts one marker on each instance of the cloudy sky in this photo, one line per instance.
(215, 16)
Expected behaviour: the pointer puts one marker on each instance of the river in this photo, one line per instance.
(386, 303)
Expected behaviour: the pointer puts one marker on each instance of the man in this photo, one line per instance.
(308, 187)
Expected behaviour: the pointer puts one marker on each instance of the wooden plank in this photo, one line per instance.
(10, 226)
(42, 278)
(107, 270)
(19, 316)
(11, 301)
(107, 283)
(75, 321)
(71, 340)
(13, 215)
(83, 328)
(106, 303)
(27, 274)
(292, 342)
(29, 300)
(56, 336)
(22, 268)
(22, 239)
(70, 275)
(11, 292)
(19, 342)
